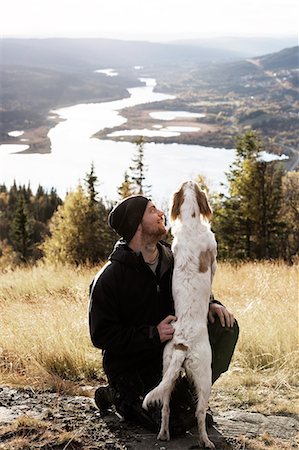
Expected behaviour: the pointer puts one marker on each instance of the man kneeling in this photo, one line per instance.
(130, 315)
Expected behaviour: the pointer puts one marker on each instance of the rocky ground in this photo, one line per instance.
(34, 420)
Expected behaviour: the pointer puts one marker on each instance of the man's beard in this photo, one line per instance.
(156, 233)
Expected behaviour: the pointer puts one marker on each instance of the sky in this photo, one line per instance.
(152, 19)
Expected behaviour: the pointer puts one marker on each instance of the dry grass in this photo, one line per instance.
(27, 433)
(44, 338)
(263, 442)
(264, 373)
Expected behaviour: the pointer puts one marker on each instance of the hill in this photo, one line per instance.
(245, 47)
(29, 93)
(287, 58)
(234, 94)
(82, 54)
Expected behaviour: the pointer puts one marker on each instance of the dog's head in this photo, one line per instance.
(191, 202)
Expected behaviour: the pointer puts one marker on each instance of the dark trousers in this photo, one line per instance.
(223, 342)
(131, 387)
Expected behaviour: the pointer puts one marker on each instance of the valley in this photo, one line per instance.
(259, 93)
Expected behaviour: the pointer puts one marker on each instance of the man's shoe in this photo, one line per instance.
(104, 398)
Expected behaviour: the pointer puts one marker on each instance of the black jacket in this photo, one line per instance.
(127, 302)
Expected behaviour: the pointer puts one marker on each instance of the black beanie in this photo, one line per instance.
(127, 215)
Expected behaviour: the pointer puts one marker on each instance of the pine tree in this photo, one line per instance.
(90, 181)
(4, 221)
(21, 230)
(138, 169)
(289, 214)
(24, 218)
(247, 221)
(104, 237)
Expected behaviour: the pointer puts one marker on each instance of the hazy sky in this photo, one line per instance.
(147, 19)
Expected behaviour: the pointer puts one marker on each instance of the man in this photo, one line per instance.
(131, 314)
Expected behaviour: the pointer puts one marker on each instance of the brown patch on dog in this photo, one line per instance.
(205, 261)
(182, 347)
(178, 199)
(193, 215)
(203, 204)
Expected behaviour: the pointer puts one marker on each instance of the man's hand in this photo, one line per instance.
(226, 318)
(165, 328)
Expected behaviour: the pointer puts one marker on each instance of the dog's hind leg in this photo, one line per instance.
(169, 378)
(174, 359)
(202, 383)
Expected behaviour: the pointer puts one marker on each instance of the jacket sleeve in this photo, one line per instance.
(106, 328)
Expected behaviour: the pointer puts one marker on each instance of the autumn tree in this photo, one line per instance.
(79, 229)
(126, 188)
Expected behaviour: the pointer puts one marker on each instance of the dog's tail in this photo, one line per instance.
(164, 389)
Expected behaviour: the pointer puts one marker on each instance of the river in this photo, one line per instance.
(73, 151)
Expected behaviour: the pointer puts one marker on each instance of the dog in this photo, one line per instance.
(194, 248)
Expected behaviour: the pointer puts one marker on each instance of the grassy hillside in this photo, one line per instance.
(287, 58)
(44, 338)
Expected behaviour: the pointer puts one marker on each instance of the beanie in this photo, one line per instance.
(127, 215)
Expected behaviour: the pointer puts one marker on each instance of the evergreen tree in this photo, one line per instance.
(12, 199)
(104, 236)
(24, 218)
(202, 182)
(4, 221)
(247, 221)
(21, 230)
(289, 214)
(138, 169)
(52, 204)
(90, 181)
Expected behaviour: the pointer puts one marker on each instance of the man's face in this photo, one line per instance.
(153, 221)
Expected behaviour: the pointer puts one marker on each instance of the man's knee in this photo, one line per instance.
(236, 330)
(218, 332)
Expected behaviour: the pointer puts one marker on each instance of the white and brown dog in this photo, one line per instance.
(194, 249)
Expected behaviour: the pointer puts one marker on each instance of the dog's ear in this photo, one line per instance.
(177, 201)
(203, 204)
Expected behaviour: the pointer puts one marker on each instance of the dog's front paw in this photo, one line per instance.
(163, 435)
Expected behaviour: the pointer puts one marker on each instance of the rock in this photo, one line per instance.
(235, 423)
(79, 415)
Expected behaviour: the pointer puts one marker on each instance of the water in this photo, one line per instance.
(170, 115)
(108, 72)
(15, 133)
(74, 149)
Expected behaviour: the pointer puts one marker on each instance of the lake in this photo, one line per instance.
(74, 150)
